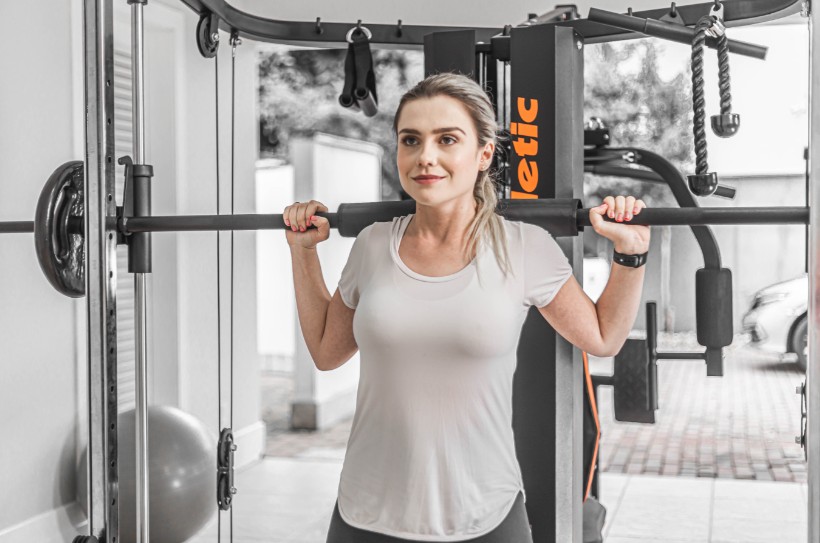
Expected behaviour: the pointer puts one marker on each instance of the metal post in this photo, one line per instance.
(100, 269)
(140, 286)
(813, 368)
(547, 162)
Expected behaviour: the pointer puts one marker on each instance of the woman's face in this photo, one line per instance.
(438, 151)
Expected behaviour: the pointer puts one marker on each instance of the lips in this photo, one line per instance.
(426, 179)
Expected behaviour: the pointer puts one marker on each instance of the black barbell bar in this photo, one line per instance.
(561, 217)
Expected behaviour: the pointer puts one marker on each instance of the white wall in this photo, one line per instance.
(333, 171)
(37, 379)
(276, 309)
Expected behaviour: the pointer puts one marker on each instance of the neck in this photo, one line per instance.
(445, 224)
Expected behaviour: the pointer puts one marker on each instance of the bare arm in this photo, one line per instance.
(326, 322)
(599, 329)
(602, 328)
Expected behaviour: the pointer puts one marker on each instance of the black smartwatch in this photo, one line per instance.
(630, 261)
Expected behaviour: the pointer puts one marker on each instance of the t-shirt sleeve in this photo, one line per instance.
(546, 268)
(350, 281)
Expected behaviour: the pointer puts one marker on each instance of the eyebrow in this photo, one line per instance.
(436, 131)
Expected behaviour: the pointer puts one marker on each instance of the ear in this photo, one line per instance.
(487, 152)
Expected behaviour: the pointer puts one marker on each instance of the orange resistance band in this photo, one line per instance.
(594, 404)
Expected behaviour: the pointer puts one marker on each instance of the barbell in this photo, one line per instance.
(59, 222)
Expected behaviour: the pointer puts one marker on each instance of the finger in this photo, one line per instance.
(619, 208)
(600, 209)
(610, 202)
(308, 211)
(293, 216)
(596, 216)
(319, 222)
(285, 216)
(314, 207)
(629, 207)
(301, 217)
(639, 205)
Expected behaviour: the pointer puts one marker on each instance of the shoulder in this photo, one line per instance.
(518, 231)
(378, 231)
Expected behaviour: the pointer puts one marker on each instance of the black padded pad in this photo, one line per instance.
(631, 376)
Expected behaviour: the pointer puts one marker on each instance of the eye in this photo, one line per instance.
(449, 140)
(409, 140)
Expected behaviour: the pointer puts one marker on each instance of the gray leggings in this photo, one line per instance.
(514, 529)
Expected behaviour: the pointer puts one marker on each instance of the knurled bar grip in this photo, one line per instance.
(671, 32)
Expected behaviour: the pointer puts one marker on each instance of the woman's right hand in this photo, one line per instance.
(298, 217)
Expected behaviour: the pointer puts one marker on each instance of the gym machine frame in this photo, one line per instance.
(548, 430)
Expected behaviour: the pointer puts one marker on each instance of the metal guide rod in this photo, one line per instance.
(813, 359)
(140, 286)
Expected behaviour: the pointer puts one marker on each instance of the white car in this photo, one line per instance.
(777, 321)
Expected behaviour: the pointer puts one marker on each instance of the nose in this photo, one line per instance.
(427, 155)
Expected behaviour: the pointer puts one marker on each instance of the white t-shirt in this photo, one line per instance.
(431, 455)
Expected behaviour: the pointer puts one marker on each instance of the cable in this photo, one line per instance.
(218, 291)
(234, 42)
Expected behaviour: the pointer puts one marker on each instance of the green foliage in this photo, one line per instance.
(299, 96)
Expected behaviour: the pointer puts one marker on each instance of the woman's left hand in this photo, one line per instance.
(628, 239)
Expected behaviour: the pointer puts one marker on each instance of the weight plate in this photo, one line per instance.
(59, 238)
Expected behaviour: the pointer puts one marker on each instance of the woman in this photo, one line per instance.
(435, 301)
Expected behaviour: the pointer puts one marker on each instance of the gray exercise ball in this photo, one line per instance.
(181, 472)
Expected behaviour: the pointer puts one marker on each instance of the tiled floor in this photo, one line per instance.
(289, 500)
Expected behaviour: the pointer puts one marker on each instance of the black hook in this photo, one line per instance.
(629, 11)
(359, 25)
(674, 11)
(717, 6)
(319, 29)
(399, 30)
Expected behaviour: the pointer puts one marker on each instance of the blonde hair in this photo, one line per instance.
(486, 225)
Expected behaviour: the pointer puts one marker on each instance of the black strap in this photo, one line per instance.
(365, 89)
(359, 91)
(630, 261)
(346, 98)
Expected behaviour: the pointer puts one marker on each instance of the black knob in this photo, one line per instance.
(703, 184)
(725, 125)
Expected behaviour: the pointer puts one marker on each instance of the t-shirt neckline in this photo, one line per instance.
(398, 234)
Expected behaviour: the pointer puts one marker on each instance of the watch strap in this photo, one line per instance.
(630, 261)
